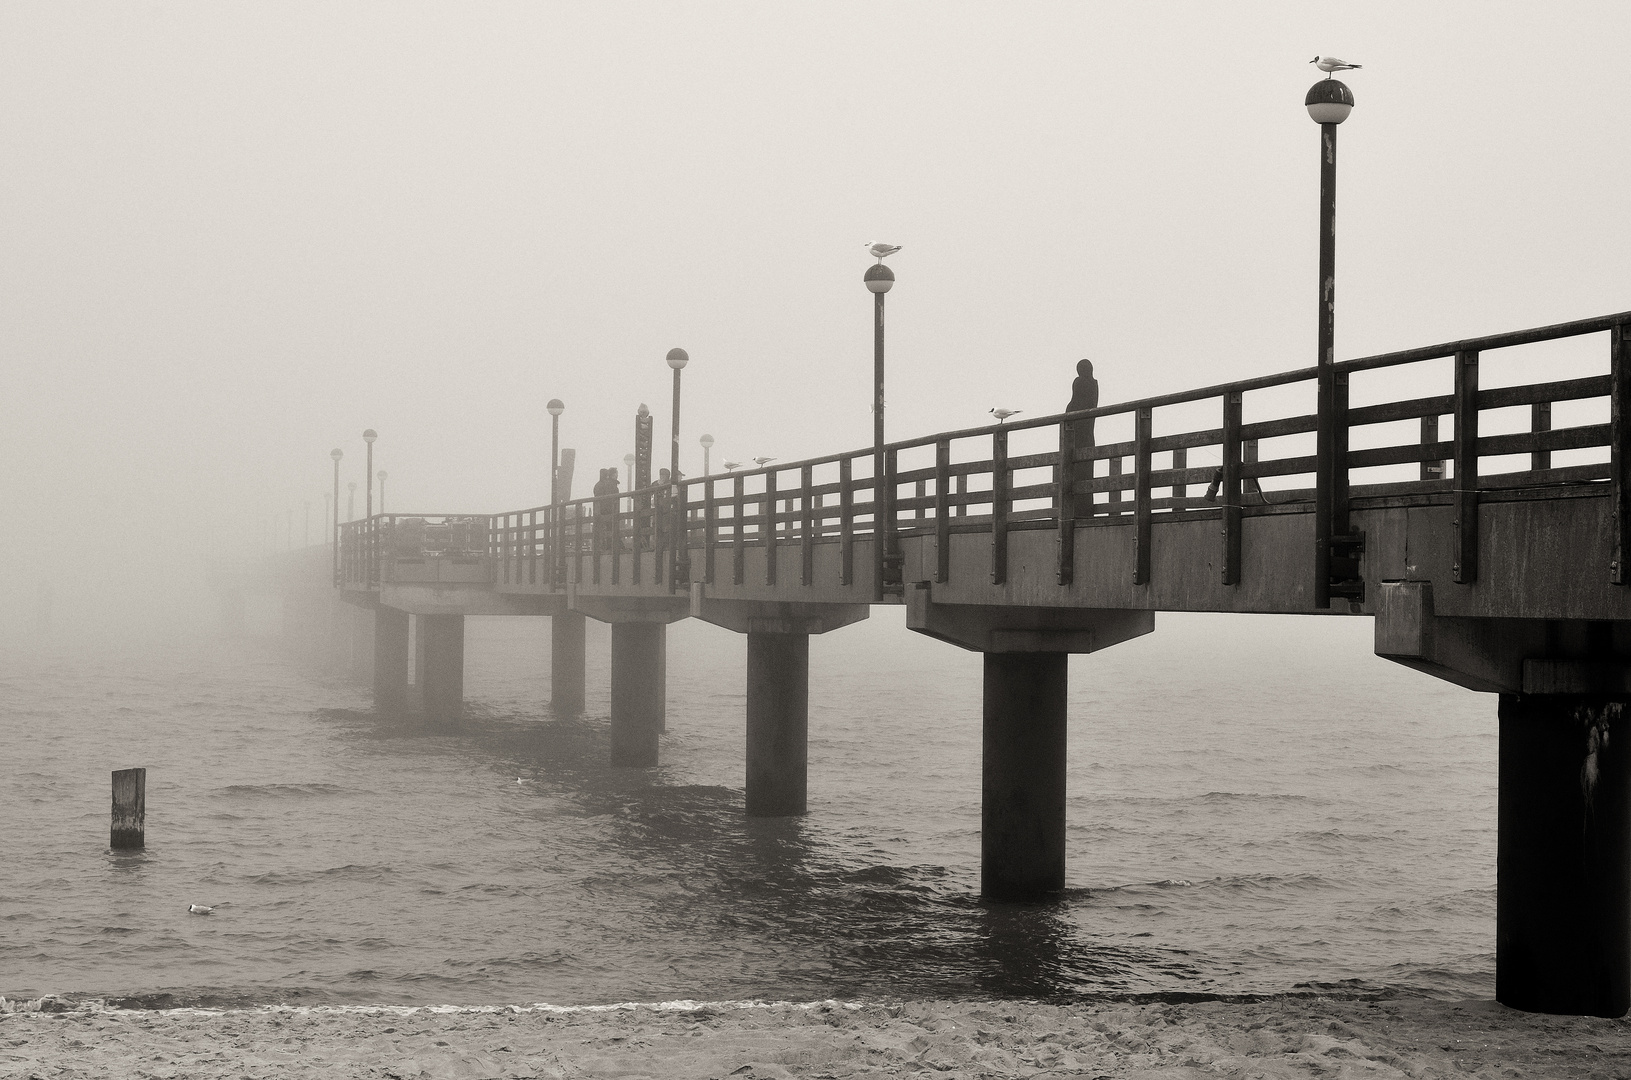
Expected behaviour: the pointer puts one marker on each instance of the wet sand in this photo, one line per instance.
(1295, 1036)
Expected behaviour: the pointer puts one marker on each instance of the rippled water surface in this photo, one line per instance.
(1255, 802)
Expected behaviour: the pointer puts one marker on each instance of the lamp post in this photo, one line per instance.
(628, 463)
(381, 475)
(707, 442)
(334, 537)
(1329, 102)
(678, 563)
(879, 279)
(351, 500)
(368, 474)
(555, 407)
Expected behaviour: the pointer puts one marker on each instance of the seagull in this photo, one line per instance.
(763, 461)
(1330, 65)
(732, 465)
(1003, 414)
(200, 909)
(881, 250)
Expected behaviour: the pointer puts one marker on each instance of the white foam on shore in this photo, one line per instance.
(52, 1003)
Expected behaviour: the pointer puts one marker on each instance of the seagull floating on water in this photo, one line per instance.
(1003, 414)
(763, 461)
(881, 250)
(1331, 65)
(200, 909)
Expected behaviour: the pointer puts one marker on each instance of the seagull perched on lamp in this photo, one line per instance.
(1331, 65)
(881, 251)
(1003, 414)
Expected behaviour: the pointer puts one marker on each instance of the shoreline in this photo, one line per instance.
(1299, 1035)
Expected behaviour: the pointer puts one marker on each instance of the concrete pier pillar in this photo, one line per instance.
(442, 641)
(390, 661)
(362, 643)
(778, 724)
(637, 691)
(1563, 860)
(566, 656)
(1022, 788)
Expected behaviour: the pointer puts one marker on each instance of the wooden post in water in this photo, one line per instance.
(129, 810)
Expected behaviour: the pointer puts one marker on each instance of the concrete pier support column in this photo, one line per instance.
(390, 661)
(441, 638)
(637, 691)
(1022, 783)
(1563, 862)
(566, 659)
(362, 643)
(778, 724)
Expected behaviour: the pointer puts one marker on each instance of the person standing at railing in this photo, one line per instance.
(1084, 394)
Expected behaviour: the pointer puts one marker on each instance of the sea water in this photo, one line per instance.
(1256, 803)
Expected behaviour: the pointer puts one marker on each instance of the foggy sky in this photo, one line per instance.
(236, 235)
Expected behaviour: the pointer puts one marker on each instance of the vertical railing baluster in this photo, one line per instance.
(738, 537)
(1065, 500)
(1466, 467)
(767, 529)
(1540, 419)
(1431, 469)
(1230, 485)
(807, 541)
(962, 491)
(1619, 452)
(846, 522)
(1113, 496)
(942, 510)
(999, 506)
(1141, 496)
(710, 530)
(893, 559)
(1180, 462)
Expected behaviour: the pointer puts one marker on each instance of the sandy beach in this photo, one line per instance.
(1288, 1036)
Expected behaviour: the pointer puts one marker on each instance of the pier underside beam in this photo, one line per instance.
(638, 669)
(441, 641)
(778, 691)
(1022, 767)
(566, 663)
(1563, 877)
(390, 661)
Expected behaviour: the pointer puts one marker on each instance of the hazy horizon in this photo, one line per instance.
(240, 235)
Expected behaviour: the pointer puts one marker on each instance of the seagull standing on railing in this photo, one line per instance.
(1331, 65)
(1003, 414)
(763, 461)
(881, 250)
(732, 466)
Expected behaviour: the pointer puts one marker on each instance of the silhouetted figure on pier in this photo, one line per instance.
(1084, 394)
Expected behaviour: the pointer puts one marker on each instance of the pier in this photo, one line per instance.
(1488, 543)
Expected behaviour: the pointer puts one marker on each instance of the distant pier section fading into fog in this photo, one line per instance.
(1486, 529)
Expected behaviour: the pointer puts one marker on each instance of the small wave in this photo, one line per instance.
(280, 790)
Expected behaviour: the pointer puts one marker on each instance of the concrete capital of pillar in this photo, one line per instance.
(631, 609)
(773, 617)
(1512, 656)
(1001, 629)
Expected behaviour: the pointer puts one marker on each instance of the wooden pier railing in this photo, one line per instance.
(1229, 451)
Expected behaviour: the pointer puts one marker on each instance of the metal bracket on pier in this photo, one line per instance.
(1346, 582)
